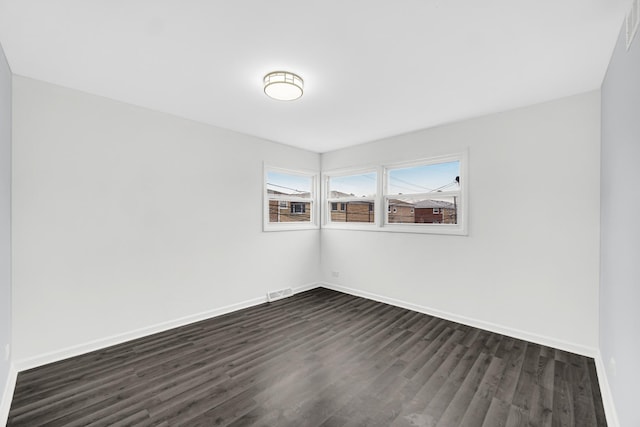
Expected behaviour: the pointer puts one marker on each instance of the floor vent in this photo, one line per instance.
(279, 294)
(633, 18)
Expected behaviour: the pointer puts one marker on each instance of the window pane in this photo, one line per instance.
(290, 198)
(362, 185)
(354, 212)
(424, 178)
(279, 183)
(424, 210)
(289, 212)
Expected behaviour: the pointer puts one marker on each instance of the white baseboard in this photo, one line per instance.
(306, 287)
(605, 390)
(492, 327)
(76, 350)
(7, 395)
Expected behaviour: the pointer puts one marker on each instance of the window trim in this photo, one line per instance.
(312, 200)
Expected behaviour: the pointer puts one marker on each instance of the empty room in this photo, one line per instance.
(319, 213)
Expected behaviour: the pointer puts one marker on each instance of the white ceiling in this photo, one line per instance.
(372, 68)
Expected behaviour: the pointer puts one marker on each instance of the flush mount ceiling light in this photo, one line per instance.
(283, 85)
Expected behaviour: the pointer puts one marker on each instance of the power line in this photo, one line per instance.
(410, 183)
(446, 185)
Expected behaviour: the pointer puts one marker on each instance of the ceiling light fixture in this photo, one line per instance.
(283, 85)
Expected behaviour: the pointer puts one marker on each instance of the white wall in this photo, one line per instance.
(620, 250)
(125, 218)
(529, 265)
(5, 222)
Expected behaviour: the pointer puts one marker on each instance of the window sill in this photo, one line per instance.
(289, 227)
(443, 229)
(456, 230)
(365, 226)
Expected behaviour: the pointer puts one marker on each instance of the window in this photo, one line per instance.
(297, 208)
(289, 199)
(426, 196)
(422, 196)
(354, 193)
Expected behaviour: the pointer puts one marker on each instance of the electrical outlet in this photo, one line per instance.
(335, 274)
(612, 366)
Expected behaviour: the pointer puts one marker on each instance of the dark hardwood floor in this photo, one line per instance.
(319, 358)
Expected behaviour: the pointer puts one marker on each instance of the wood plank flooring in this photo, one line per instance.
(319, 358)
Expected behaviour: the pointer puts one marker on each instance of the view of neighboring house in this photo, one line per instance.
(422, 212)
(289, 211)
(399, 212)
(352, 211)
(435, 212)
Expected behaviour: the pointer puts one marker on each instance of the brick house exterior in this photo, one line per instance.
(284, 211)
(289, 211)
(400, 212)
(435, 212)
(352, 211)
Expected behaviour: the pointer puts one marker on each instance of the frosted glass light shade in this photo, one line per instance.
(283, 86)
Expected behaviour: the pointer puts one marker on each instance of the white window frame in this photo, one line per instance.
(456, 229)
(326, 200)
(312, 200)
